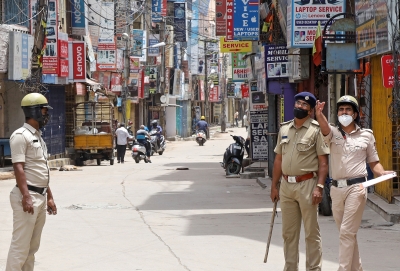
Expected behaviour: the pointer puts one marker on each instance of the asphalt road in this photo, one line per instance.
(153, 217)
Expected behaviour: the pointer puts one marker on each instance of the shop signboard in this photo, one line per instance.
(78, 19)
(220, 18)
(239, 68)
(276, 61)
(50, 57)
(303, 17)
(77, 69)
(387, 71)
(231, 46)
(153, 39)
(107, 49)
(258, 135)
(180, 22)
(246, 23)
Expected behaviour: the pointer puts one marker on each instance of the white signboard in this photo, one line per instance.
(305, 15)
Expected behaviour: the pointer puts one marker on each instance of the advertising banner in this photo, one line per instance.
(62, 45)
(239, 67)
(78, 19)
(214, 94)
(305, 15)
(27, 45)
(106, 51)
(227, 46)
(220, 18)
(93, 24)
(153, 39)
(230, 92)
(276, 61)
(15, 56)
(78, 61)
(229, 19)
(194, 46)
(246, 20)
(116, 82)
(388, 71)
(180, 22)
(382, 32)
(137, 42)
(258, 135)
(156, 11)
(245, 90)
(50, 57)
(64, 68)
(121, 15)
(257, 98)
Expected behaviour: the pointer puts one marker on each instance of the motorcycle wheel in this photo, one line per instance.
(161, 152)
(137, 159)
(232, 169)
(325, 207)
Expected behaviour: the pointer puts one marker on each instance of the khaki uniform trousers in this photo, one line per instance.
(348, 205)
(27, 230)
(296, 205)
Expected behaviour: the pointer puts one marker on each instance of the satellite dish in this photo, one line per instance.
(163, 99)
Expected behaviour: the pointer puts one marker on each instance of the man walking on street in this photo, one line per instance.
(237, 118)
(28, 198)
(301, 160)
(351, 146)
(122, 139)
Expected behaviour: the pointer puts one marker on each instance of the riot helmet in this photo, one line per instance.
(32, 105)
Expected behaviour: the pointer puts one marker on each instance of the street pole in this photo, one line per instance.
(126, 73)
(223, 90)
(206, 83)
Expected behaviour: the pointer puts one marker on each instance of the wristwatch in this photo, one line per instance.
(320, 185)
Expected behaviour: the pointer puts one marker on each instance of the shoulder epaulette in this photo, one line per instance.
(286, 122)
(20, 130)
(367, 130)
(315, 122)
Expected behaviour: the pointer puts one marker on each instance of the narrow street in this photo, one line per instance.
(161, 217)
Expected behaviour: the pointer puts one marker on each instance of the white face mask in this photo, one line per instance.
(345, 120)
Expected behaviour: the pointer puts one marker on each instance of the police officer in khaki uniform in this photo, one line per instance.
(351, 147)
(28, 197)
(301, 159)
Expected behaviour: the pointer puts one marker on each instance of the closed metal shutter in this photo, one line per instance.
(54, 131)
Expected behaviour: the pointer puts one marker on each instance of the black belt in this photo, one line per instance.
(40, 190)
(350, 182)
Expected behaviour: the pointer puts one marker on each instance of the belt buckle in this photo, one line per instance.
(44, 191)
(291, 179)
(341, 183)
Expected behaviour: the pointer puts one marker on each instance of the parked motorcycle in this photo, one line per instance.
(154, 146)
(201, 137)
(233, 156)
(139, 152)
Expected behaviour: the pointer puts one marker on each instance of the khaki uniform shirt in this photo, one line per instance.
(349, 156)
(300, 147)
(27, 146)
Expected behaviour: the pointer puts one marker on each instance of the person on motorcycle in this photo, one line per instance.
(202, 125)
(141, 136)
(156, 127)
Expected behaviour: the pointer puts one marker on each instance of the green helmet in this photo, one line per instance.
(32, 105)
(347, 99)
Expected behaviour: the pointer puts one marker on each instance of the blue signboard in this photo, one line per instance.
(153, 39)
(78, 17)
(179, 22)
(246, 20)
(156, 11)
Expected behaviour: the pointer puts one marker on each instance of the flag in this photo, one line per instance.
(317, 48)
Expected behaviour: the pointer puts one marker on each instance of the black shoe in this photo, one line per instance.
(118, 162)
(148, 161)
(122, 162)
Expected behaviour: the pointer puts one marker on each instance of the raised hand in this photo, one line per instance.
(319, 107)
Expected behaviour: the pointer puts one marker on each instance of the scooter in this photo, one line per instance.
(139, 152)
(154, 145)
(233, 156)
(201, 137)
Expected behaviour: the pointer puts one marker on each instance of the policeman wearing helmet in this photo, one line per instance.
(351, 147)
(32, 194)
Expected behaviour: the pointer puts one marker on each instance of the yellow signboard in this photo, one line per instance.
(234, 46)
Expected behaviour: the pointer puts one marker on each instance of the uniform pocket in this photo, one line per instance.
(36, 149)
(304, 145)
(285, 145)
(337, 145)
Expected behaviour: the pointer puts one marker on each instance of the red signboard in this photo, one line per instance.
(220, 21)
(229, 19)
(62, 45)
(79, 60)
(213, 94)
(387, 71)
(141, 84)
(245, 90)
(63, 68)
